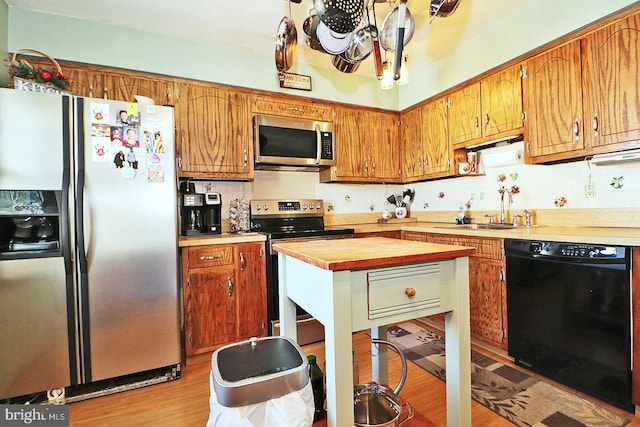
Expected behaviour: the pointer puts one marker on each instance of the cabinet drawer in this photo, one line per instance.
(210, 256)
(392, 291)
(485, 247)
(301, 109)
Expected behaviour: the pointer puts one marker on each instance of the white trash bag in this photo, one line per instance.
(292, 410)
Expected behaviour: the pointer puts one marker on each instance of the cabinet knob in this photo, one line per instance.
(410, 292)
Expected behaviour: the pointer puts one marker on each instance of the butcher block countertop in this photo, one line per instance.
(368, 252)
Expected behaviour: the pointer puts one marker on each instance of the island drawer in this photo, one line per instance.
(393, 291)
(210, 256)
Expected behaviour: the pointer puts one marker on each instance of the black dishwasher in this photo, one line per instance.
(569, 315)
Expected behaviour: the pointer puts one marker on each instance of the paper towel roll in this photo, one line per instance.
(503, 158)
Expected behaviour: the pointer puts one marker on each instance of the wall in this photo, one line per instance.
(541, 187)
(433, 68)
(539, 23)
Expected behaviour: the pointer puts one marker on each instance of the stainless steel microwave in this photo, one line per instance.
(282, 143)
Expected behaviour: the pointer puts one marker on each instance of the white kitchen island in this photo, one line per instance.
(367, 283)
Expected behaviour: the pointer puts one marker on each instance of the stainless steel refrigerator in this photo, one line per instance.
(89, 285)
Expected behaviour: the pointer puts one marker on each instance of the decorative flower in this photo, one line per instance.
(441, 195)
(502, 178)
(560, 201)
(329, 207)
(468, 204)
(347, 198)
(514, 189)
(514, 176)
(371, 207)
(25, 70)
(617, 182)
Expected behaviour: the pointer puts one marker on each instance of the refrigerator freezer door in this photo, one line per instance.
(130, 298)
(31, 128)
(34, 334)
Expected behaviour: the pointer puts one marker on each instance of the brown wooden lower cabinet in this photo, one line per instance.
(487, 287)
(224, 295)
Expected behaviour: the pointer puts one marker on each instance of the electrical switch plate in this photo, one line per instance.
(590, 190)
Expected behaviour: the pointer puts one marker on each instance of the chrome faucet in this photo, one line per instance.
(528, 215)
(503, 219)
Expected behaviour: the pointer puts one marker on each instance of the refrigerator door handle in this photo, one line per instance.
(83, 270)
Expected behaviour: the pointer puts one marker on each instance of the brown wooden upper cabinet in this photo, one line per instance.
(583, 98)
(486, 110)
(300, 108)
(610, 61)
(213, 132)
(553, 104)
(426, 152)
(367, 147)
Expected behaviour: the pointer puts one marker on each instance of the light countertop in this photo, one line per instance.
(220, 239)
(591, 235)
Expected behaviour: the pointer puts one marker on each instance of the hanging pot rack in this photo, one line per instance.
(342, 22)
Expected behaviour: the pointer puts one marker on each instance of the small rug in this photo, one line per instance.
(510, 393)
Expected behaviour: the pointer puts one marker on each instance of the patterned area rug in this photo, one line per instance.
(509, 392)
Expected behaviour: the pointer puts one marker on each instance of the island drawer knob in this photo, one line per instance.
(410, 292)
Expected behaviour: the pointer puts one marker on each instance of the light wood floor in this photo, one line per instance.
(184, 402)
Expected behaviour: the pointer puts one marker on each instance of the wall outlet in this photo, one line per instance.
(590, 190)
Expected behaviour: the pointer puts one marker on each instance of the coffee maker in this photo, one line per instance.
(201, 213)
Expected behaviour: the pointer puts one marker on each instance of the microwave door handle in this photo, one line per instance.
(318, 143)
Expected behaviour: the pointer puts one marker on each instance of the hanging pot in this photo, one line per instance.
(286, 42)
(343, 64)
(310, 29)
(361, 45)
(332, 42)
(389, 32)
(377, 405)
(443, 8)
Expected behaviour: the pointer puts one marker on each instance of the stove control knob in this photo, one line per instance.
(318, 205)
(311, 206)
(266, 206)
(304, 206)
(257, 206)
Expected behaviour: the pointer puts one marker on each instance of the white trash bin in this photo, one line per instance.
(261, 382)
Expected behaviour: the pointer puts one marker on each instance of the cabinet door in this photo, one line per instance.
(612, 85)
(214, 133)
(351, 146)
(486, 300)
(412, 144)
(464, 114)
(252, 290)
(266, 104)
(124, 87)
(384, 145)
(210, 309)
(553, 97)
(501, 95)
(438, 151)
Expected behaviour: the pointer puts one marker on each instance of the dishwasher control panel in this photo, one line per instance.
(565, 250)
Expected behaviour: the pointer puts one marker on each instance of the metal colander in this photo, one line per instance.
(341, 16)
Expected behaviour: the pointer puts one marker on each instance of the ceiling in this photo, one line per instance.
(252, 24)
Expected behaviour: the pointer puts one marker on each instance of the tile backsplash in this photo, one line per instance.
(576, 185)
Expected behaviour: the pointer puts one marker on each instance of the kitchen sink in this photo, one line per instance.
(482, 227)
